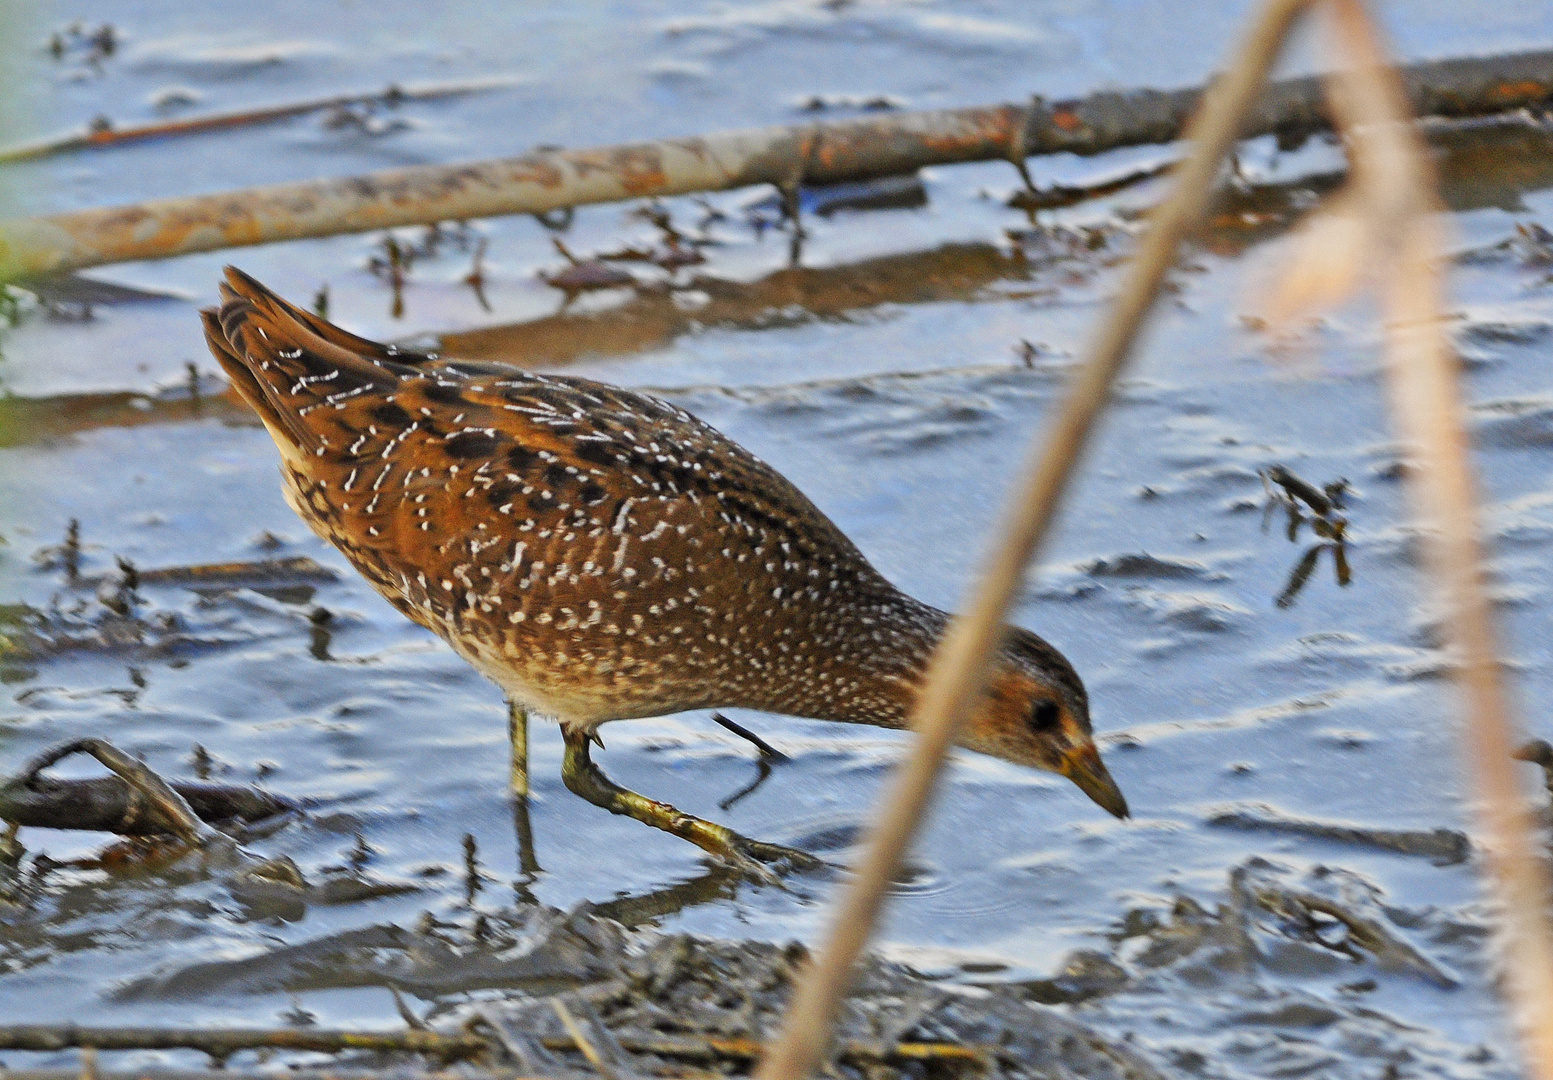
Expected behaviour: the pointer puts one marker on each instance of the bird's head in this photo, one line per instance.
(1037, 714)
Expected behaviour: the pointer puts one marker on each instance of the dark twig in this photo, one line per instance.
(769, 755)
(169, 809)
(110, 804)
(223, 1042)
(1539, 752)
(1299, 489)
(767, 751)
(475, 279)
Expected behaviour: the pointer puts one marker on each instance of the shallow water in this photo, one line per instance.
(905, 417)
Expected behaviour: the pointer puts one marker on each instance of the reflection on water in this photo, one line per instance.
(1321, 508)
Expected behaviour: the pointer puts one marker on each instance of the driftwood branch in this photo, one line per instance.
(165, 809)
(101, 134)
(811, 154)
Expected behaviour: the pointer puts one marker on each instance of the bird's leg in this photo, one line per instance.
(583, 778)
(517, 736)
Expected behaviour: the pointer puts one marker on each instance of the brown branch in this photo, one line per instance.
(856, 149)
(134, 802)
(99, 136)
(1394, 180)
(109, 805)
(956, 679)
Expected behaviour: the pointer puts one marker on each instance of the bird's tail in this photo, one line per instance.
(290, 365)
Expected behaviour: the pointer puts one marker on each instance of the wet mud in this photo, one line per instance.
(1298, 894)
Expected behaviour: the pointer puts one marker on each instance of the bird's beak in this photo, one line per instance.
(1083, 766)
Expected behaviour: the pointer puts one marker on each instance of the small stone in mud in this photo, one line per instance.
(1084, 974)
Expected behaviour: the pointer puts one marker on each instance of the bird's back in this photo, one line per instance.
(600, 553)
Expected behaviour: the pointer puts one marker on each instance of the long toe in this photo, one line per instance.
(783, 859)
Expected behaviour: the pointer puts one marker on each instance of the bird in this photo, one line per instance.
(603, 555)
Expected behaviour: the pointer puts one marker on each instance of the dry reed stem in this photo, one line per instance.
(583, 1043)
(957, 677)
(1393, 174)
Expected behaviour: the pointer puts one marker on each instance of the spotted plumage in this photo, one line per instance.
(602, 554)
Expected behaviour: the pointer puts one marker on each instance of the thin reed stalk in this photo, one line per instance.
(957, 677)
(1395, 184)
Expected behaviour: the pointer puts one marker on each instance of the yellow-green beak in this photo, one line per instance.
(1083, 766)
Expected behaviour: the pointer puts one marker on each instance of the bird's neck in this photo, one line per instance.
(868, 667)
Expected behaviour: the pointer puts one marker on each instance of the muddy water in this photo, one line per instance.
(884, 380)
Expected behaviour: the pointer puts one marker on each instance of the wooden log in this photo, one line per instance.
(857, 149)
(134, 803)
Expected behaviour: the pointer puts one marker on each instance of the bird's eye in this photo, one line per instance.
(1045, 716)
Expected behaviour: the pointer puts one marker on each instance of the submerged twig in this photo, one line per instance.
(1366, 934)
(104, 134)
(1445, 846)
(957, 675)
(169, 811)
(107, 804)
(1056, 196)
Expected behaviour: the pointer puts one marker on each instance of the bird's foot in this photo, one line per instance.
(757, 859)
(753, 858)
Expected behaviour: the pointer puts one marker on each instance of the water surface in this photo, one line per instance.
(904, 418)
